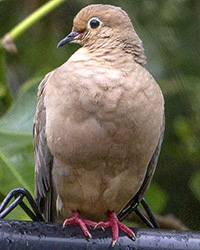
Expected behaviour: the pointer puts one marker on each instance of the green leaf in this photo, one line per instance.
(16, 143)
(19, 117)
(16, 162)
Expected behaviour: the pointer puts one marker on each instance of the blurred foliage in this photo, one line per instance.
(171, 35)
(195, 180)
(16, 144)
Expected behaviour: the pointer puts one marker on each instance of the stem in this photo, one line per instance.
(27, 22)
(34, 17)
(5, 96)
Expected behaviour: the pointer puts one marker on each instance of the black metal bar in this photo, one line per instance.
(143, 218)
(7, 210)
(149, 213)
(22, 235)
(129, 208)
(18, 194)
(132, 206)
(6, 201)
(31, 202)
(28, 211)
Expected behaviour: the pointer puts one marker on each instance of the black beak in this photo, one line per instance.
(68, 38)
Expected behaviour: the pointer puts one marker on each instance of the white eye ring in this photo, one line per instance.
(94, 23)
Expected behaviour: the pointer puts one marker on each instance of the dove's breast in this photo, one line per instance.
(103, 136)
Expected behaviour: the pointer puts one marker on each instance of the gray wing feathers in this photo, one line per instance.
(43, 156)
(152, 165)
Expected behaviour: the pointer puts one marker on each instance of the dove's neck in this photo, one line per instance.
(110, 58)
(117, 49)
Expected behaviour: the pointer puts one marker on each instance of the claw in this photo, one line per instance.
(113, 243)
(76, 219)
(98, 226)
(112, 222)
(133, 237)
(115, 225)
(89, 235)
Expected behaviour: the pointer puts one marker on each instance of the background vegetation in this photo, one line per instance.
(171, 37)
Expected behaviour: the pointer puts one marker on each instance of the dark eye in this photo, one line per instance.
(94, 22)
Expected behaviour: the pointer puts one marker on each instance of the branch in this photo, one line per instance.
(7, 40)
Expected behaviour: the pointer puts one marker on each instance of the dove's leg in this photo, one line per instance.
(76, 219)
(115, 224)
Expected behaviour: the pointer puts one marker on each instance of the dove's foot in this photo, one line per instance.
(76, 219)
(115, 224)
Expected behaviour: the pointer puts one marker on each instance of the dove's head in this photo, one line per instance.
(104, 26)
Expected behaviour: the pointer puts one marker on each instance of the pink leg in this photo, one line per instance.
(115, 224)
(76, 219)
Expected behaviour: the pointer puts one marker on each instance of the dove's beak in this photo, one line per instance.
(68, 38)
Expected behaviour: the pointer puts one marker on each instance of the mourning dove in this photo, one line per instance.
(98, 125)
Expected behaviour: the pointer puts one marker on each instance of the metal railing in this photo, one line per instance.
(37, 234)
(19, 235)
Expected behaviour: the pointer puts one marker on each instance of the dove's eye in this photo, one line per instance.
(94, 22)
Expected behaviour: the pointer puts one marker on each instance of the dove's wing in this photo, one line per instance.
(149, 174)
(152, 164)
(43, 156)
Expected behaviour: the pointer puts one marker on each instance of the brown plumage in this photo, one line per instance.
(98, 125)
